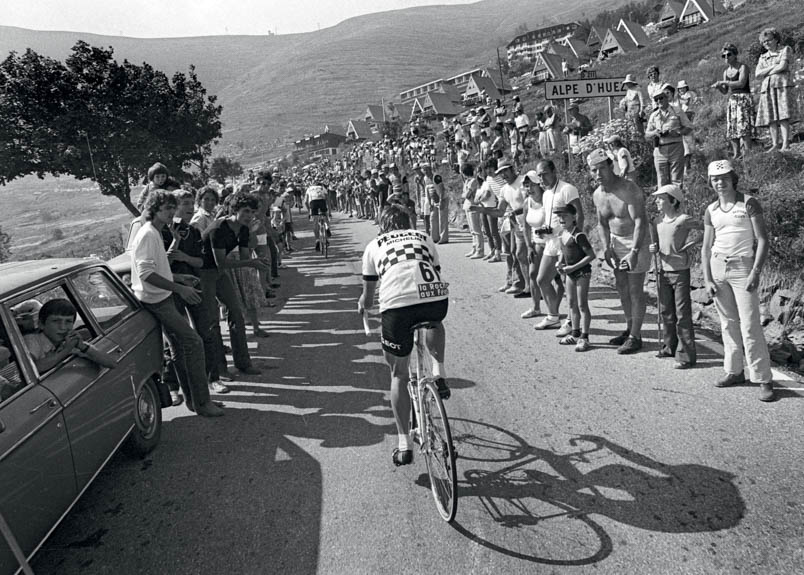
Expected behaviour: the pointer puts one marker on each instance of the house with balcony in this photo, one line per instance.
(614, 43)
(320, 145)
(700, 12)
(546, 67)
(594, 40)
(437, 106)
(527, 45)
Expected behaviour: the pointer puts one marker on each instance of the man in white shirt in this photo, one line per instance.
(557, 194)
(154, 285)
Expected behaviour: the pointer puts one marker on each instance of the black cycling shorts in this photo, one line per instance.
(318, 208)
(397, 324)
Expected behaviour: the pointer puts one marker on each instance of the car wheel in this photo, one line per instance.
(147, 422)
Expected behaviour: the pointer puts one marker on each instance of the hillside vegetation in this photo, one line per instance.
(284, 86)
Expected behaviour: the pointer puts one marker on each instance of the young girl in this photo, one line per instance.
(575, 262)
(671, 241)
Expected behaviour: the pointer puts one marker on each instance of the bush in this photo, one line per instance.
(58, 234)
(783, 205)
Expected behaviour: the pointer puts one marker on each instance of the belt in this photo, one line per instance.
(727, 259)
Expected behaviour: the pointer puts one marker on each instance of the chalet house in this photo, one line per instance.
(412, 93)
(670, 14)
(577, 47)
(358, 130)
(374, 116)
(437, 105)
(527, 45)
(547, 67)
(615, 43)
(319, 145)
(480, 88)
(634, 31)
(404, 112)
(594, 40)
(700, 11)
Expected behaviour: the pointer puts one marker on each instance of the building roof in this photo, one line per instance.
(635, 31)
(483, 84)
(549, 62)
(374, 112)
(616, 40)
(704, 7)
(405, 112)
(359, 130)
(672, 7)
(337, 130)
(560, 50)
(451, 91)
(441, 104)
(416, 107)
(595, 34)
(577, 47)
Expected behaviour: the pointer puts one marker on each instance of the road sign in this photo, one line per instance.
(587, 88)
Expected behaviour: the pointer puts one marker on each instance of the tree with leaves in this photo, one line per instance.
(95, 118)
(5, 246)
(223, 168)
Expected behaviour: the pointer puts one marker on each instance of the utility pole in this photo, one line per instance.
(499, 67)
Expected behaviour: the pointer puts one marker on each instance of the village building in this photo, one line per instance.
(616, 42)
(481, 87)
(700, 12)
(546, 67)
(318, 146)
(453, 86)
(527, 45)
(634, 31)
(374, 116)
(437, 106)
(670, 14)
(359, 130)
(594, 40)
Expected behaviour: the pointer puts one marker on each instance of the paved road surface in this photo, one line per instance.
(570, 463)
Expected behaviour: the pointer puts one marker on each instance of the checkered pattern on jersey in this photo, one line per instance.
(402, 253)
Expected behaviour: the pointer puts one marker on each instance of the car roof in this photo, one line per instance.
(18, 276)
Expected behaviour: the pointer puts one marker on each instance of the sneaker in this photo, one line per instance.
(443, 390)
(176, 398)
(766, 392)
(494, 259)
(568, 339)
(682, 365)
(619, 339)
(217, 387)
(565, 329)
(477, 256)
(522, 295)
(488, 256)
(582, 345)
(630, 345)
(470, 254)
(504, 288)
(548, 323)
(664, 353)
(513, 290)
(730, 379)
(530, 313)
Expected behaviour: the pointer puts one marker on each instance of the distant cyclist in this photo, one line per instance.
(412, 291)
(316, 199)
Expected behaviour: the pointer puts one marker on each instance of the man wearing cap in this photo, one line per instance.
(666, 128)
(624, 224)
(511, 205)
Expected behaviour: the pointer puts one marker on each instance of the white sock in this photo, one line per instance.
(438, 369)
(405, 444)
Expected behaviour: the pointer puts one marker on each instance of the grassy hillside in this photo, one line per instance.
(283, 86)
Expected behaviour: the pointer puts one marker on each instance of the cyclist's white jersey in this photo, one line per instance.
(316, 193)
(406, 262)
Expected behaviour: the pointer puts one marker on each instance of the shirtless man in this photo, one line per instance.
(623, 222)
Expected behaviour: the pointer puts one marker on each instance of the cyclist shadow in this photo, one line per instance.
(539, 491)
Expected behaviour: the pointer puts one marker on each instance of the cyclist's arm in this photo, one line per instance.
(366, 300)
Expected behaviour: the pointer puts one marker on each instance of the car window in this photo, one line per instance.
(103, 297)
(26, 314)
(11, 379)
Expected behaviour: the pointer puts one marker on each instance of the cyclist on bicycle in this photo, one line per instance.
(412, 292)
(316, 199)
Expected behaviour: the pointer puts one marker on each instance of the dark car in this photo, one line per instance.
(59, 427)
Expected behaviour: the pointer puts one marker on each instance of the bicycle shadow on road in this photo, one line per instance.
(542, 502)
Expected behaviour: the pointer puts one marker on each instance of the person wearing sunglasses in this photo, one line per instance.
(740, 109)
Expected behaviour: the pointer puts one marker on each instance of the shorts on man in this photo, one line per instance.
(621, 245)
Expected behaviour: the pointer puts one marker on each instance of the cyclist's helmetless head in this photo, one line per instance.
(394, 217)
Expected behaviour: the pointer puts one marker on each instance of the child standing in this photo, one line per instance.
(575, 263)
(671, 242)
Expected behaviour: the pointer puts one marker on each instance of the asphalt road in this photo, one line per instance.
(569, 462)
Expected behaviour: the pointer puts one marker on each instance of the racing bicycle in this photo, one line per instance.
(320, 226)
(431, 431)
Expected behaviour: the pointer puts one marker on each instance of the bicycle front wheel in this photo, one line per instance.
(439, 453)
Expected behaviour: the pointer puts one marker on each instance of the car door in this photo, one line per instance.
(37, 480)
(98, 405)
(120, 326)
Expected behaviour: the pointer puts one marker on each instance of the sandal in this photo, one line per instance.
(402, 457)
(568, 340)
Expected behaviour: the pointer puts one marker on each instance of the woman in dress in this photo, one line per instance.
(776, 98)
(654, 84)
(740, 109)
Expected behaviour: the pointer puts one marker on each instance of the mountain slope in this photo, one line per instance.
(283, 86)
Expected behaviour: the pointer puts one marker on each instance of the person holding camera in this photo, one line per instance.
(666, 129)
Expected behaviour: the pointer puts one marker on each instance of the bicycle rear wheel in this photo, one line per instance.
(439, 453)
